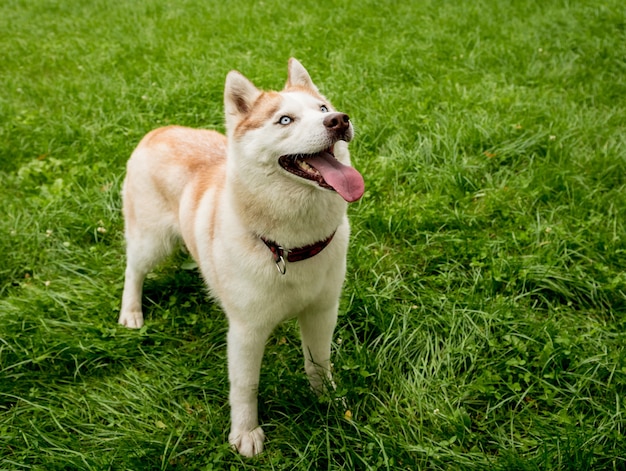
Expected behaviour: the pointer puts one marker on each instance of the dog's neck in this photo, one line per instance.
(304, 218)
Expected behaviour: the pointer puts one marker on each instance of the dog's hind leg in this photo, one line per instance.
(141, 257)
(149, 239)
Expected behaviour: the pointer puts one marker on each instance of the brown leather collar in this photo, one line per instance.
(297, 254)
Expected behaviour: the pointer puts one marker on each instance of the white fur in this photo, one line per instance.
(221, 211)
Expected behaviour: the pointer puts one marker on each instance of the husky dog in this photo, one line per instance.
(263, 213)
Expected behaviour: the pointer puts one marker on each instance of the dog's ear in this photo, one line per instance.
(239, 97)
(299, 77)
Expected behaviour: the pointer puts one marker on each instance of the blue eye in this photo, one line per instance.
(323, 109)
(285, 120)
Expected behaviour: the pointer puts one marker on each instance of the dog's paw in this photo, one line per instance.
(131, 319)
(322, 384)
(248, 443)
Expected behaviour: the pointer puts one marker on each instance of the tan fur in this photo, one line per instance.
(220, 196)
(263, 109)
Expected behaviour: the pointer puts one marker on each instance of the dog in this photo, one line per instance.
(263, 213)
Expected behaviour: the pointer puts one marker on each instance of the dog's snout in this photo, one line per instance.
(337, 122)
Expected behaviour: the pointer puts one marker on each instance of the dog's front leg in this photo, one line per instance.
(245, 352)
(316, 329)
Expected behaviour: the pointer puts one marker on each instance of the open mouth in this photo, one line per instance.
(297, 164)
(324, 169)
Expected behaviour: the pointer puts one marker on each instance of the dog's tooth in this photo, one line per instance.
(304, 166)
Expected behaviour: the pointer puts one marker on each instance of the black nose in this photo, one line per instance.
(337, 121)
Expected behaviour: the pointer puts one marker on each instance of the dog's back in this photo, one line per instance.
(167, 163)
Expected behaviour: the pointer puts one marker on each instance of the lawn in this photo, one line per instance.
(483, 319)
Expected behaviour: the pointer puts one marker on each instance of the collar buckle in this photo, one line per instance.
(281, 265)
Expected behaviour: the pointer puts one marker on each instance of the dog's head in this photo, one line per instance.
(295, 134)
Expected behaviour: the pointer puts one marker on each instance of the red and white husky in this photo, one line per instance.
(263, 213)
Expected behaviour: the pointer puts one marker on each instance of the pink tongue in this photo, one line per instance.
(344, 179)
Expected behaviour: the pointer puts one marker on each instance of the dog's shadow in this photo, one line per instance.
(175, 294)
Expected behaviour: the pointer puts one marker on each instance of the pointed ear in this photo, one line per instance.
(299, 77)
(239, 96)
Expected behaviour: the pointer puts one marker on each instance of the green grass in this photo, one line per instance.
(483, 322)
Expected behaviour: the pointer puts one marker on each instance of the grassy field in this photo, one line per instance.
(483, 322)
